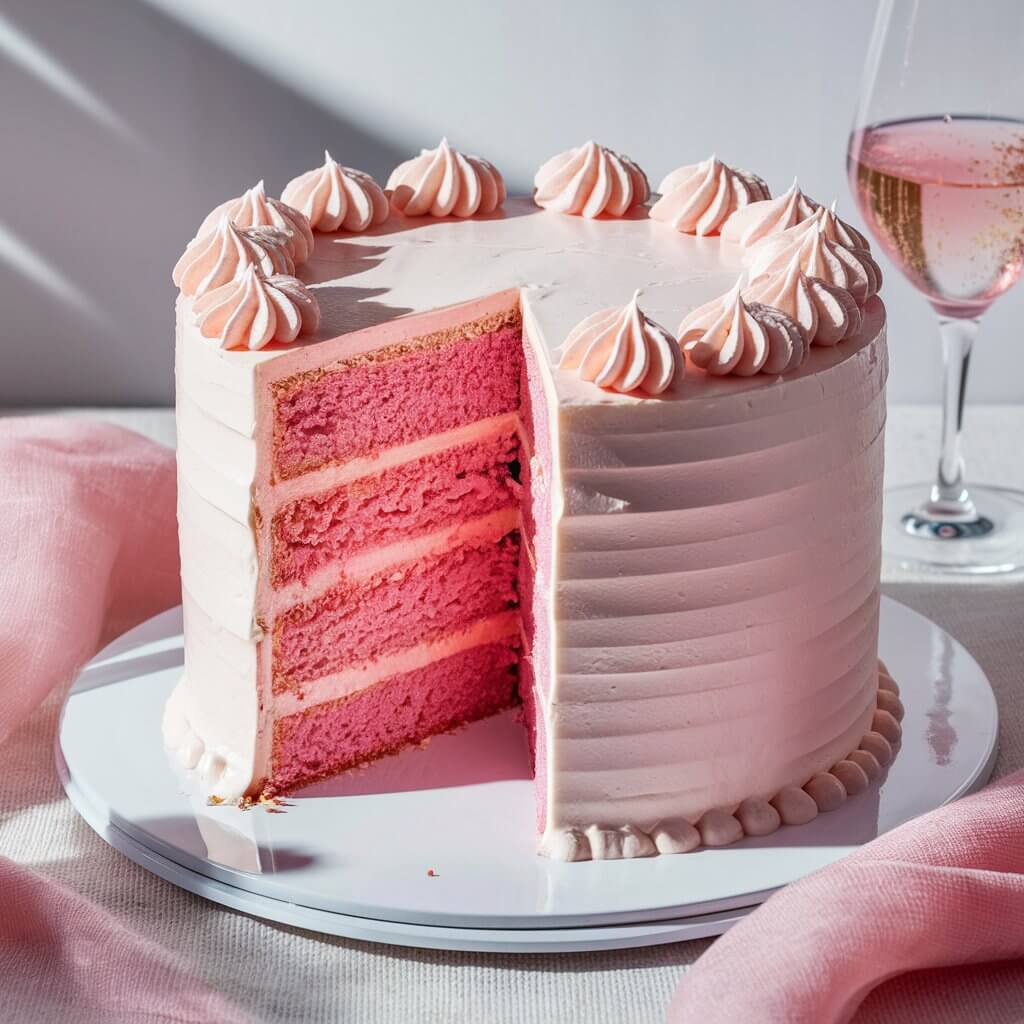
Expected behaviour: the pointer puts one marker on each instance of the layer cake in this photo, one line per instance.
(410, 508)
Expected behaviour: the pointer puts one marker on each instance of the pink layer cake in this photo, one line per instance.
(438, 463)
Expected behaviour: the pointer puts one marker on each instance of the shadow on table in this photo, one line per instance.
(492, 750)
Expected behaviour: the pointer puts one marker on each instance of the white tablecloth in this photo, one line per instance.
(283, 974)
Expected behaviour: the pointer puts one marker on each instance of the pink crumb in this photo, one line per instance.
(452, 486)
(356, 411)
(418, 603)
(393, 714)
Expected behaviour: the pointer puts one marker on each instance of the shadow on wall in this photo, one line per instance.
(127, 129)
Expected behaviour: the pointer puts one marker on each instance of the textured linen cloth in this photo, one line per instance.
(88, 546)
(944, 890)
(283, 974)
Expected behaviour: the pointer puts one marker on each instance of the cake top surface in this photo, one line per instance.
(567, 268)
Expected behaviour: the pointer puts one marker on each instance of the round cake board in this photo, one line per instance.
(435, 847)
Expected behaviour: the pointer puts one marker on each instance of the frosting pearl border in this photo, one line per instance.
(792, 805)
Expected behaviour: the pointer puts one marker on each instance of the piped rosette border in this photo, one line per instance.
(590, 181)
(698, 199)
(730, 335)
(255, 311)
(443, 182)
(337, 198)
(223, 256)
(838, 230)
(768, 216)
(819, 256)
(826, 313)
(254, 208)
(756, 816)
(621, 349)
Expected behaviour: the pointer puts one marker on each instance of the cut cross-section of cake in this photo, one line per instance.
(429, 508)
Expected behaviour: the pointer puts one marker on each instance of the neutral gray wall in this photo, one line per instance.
(122, 123)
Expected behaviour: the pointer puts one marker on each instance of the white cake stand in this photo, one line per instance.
(435, 847)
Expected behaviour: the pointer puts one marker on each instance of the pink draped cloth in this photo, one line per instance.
(88, 548)
(944, 891)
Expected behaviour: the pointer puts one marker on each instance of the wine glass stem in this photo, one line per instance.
(949, 490)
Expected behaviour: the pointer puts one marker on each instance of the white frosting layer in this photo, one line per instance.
(716, 549)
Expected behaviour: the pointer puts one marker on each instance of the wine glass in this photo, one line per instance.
(936, 165)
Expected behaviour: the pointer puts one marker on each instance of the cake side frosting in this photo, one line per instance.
(722, 536)
(823, 791)
(717, 594)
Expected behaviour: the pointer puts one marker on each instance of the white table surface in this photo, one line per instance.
(283, 974)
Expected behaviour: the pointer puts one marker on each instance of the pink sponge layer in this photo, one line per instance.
(396, 712)
(354, 412)
(451, 486)
(400, 608)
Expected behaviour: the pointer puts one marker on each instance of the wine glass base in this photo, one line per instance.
(993, 542)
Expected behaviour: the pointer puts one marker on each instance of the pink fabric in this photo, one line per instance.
(944, 891)
(88, 548)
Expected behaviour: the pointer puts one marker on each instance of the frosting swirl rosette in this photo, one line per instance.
(768, 216)
(443, 182)
(335, 198)
(623, 350)
(256, 310)
(837, 230)
(216, 259)
(825, 313)
(729, 335)
(253, 209)
(698, 198)
(789, 291)
(839, 316)
(852, 269)
(589, 181)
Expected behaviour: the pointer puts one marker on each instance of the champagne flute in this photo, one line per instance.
(936, 165)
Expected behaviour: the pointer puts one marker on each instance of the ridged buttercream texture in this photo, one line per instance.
(755, 816)
(716, 643)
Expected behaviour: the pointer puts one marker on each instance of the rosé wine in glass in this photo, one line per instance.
(936, 164)
(944, 196)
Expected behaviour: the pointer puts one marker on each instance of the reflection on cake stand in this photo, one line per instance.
(435, 847)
